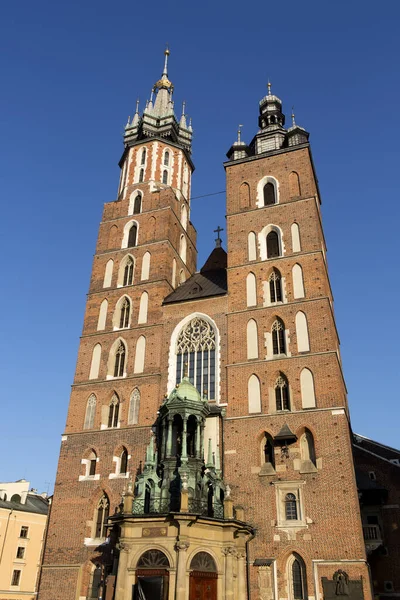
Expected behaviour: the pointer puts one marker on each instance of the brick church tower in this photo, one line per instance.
(207, 452)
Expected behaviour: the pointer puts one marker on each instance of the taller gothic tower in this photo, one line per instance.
(207, 453)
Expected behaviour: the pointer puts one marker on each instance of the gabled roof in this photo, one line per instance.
(211, 281)
(376, 448)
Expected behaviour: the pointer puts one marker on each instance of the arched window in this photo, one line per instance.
(145, 274)
(295, 231)
(182, 248)
(108, 273)
(101, 321)
(90, 412)
(132, 236)
(294, 184)
(275, 286)
(184, 216)
(141, 175)
(119, 360)
(278, 338)
(92, 464)
(103, 510)
(123, 468)
(303, 343)
(166, 158)
(95, 583)
(143, 306)
(244, 195)
(269, 451)
(254, 394)
(128, 271)
(153, 559)
(165, 176)
(297, 578)
(143, 159)
(113, 412)
(251, 290)
(251, 246)
(291, 507)
(173, 273)
(137, 205)
(307, 449)
(252, 339)
(95, 364)
(282, 393)
(307, 389)
(125, 311)
(269, 194)
(134, 405)
(298, 285)
(204, 562)
(140, 355)
(195, 347)
(273, 249)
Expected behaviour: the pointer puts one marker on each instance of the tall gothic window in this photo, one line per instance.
(134, 405)
(143, 156)
(119, 360)
(125, 313)
(128, 272)
(291, 508)
(269, 194)
(278, 337)
(275, 286)
(137, 205)
(113, 411)
(297, 580)
(165, 176)
(282, 393)
(166, 158)
(141, 175)
(124, 462)
(103, 510)
(90, 412)
(269, 452)
(195, 351)
(273, 245)
(132, 236)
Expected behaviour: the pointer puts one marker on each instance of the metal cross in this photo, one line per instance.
(218, 231)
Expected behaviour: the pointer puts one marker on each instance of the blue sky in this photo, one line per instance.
(70, 75)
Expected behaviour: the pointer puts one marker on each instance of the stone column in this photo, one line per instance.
(242, 589)
(164, 439)
(122, 571)
(229, 553)
(184, 441)
(169, 438)
(198, 438)
(181, 547)
(201, 441)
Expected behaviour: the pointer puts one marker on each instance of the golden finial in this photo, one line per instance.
(166, 51)
(239, 132)
(269, 87)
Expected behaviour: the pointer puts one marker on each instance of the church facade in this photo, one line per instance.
(208, 452)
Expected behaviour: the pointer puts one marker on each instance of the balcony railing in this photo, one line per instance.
(372, 533)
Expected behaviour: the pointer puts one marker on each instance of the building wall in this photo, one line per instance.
(11, 522)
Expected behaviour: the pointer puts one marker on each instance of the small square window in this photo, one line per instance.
(16, 576)
(20, 552)
(24, 531)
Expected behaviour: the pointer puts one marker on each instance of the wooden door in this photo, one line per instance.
(203, 586)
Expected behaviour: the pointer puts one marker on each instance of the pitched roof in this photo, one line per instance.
(211, 281)
(34, 504)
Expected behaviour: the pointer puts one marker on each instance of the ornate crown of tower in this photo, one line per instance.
(272, 135)
(158, 119)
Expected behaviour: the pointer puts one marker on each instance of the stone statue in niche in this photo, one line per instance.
(265, 583)
(342, 583)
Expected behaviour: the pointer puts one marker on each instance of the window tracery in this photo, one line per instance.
(128, 271)
(195, 349)
(275, 286)
(119, 361)
(103, 510)
(278, 337)
(282, 394)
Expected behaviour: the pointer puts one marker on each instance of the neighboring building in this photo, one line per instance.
(378, 482)
(213, 402)
(23, 517)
